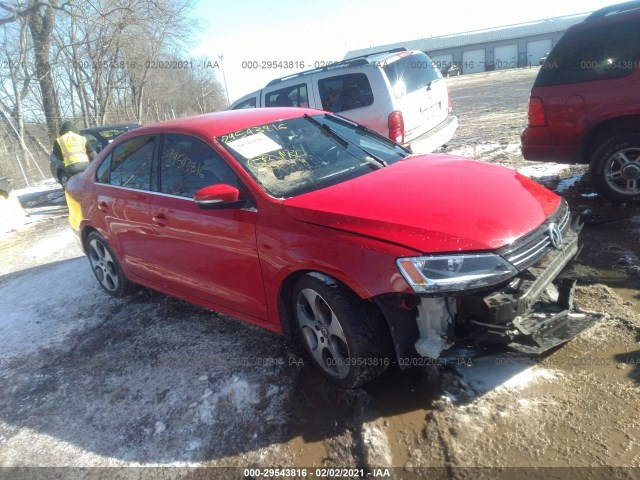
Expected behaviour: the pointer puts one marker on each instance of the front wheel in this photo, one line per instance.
(105, 266)
(615, 168)
(347, 338)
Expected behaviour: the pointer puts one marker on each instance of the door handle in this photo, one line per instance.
(160, 219)
(102, 206)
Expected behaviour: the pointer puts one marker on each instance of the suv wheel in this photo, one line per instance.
(346, 337)
(63, 178)
(615, 168)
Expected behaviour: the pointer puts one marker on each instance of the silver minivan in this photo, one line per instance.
(398, 93)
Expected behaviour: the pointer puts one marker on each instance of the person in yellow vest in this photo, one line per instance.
(72, 149)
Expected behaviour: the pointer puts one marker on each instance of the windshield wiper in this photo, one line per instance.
(364, 130)
(327, 130)
(372, 159)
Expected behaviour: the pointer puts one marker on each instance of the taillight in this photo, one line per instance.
(396, 127)
(450, 102)
(537, 117)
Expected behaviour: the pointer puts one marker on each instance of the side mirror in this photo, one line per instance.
(218, 196)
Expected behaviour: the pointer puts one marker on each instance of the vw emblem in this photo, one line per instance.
(555, 235)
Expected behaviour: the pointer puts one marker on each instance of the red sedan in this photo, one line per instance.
(305, 223)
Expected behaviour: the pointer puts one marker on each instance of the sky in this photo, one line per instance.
(297, 31)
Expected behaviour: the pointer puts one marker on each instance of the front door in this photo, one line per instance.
(208, 254)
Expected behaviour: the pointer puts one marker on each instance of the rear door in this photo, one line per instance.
(123, 193)
(419, 92)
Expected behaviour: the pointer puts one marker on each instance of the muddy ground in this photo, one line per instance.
(92, 381)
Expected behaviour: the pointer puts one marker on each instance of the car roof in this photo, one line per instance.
(374, 58)
(614, 10)
(117, 126)
(219, 123)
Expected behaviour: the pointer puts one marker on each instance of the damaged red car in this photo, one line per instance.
(306, 223)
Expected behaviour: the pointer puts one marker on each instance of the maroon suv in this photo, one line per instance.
(585, 102)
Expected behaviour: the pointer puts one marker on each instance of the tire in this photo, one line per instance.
(615, 169)
(63, 178)
(105, 267)
(346, 337)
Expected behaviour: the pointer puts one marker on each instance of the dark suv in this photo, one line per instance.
(98, 137)
(585, 102)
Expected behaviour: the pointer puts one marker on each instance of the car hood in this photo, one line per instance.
(432, 203)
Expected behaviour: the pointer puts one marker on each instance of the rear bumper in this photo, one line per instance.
(535, 144)
(434, 138)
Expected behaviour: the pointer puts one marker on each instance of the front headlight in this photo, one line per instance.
(454, 273)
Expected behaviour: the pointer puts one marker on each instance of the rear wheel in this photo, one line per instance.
(105, 266)
(615, 168)
(63, 178)
(347, 338)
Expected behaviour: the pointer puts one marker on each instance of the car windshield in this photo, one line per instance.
(300, 155)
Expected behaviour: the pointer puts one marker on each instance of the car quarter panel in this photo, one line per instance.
(287, 247)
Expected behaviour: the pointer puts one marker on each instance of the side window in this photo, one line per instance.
(131, 163)
(345, 92)
(295, 96)
(102, 174)
(188, 164)
(249, 103)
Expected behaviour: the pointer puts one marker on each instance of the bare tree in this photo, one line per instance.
(41, 20)
(15, 48)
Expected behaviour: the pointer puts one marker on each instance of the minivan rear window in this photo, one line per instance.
(411, 73)
(594, 53)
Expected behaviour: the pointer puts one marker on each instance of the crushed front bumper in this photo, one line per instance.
(535, 312)
(532, 314)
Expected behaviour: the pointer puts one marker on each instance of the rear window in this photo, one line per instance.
(411, 73)
(600, 52)
(130, 164)
(345, 92)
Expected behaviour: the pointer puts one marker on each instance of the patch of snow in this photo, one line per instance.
(487, 147)
(494, 372)
(528, 376)
(24, 215)
(567, 183)
(272, 390)
(237, 392)
(513, 148)
(543, 170)
(40, 309)
(194, 445)
(466, 151)
(160, 427)
(377, 445)
(44, 186)
(42, 249)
